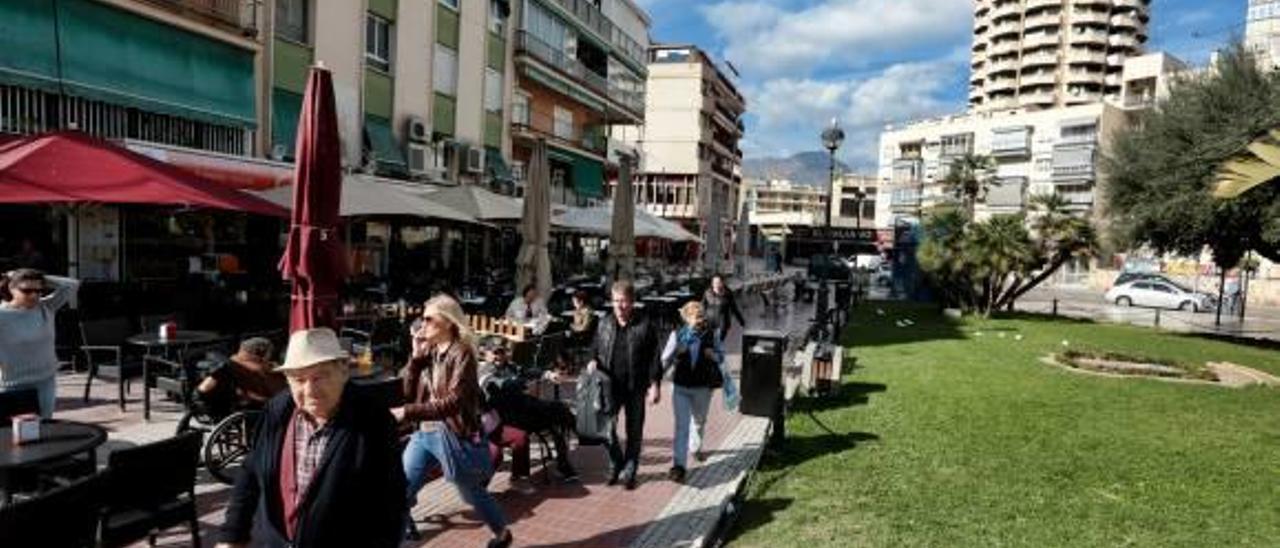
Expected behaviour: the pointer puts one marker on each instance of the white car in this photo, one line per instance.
(1158, 294)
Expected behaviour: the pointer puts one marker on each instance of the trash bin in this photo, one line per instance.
(761, 389)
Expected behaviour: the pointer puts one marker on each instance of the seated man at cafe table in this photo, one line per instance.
(248, 379)
(519, 413)
(325, 468)
(528, 308)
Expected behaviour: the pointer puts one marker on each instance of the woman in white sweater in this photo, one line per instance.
(29, 300)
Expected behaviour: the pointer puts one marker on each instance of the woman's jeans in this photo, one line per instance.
(46, 394)
(690, 405)
(423, 455)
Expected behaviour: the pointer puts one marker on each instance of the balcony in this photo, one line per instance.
(562, 62)
(1085, 77)
(1038, 98)
(1042, 20)
(1081, 56)
(1090, 37)
(238, 15)
(997, 85)
(1074, 164)
(1124, 41)
(1090, 17)
(1033, 4)
(1040, 60)
(1006, 9)
(1012, 142)
(1077, 199)
(589, 15)
(1041, 39)
(1047, 78)
(590, 139)
(1128, 21)
(1006, 30)
(905, 199)
(1009, 192)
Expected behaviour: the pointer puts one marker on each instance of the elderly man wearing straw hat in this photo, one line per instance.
(325, 467)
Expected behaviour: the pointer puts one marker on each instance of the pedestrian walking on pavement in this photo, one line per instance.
(442, 388)
(695, 355)
(721, 306)
(626, 350)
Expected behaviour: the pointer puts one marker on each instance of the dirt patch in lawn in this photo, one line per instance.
(1119, 365)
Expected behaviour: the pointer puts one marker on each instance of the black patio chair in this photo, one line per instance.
(65, 517)
(151, 488)
(105, 353)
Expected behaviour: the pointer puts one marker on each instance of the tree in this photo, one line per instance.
(986, 266)
(1161, 170)
(969, 178)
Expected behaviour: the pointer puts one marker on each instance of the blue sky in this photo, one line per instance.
(871, 62)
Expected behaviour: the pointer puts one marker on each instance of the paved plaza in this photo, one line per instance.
(585, 513)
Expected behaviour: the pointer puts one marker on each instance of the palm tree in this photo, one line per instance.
(1059, 237)
(1002, 255)
(969, 178)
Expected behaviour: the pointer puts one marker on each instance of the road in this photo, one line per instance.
(1260, 322)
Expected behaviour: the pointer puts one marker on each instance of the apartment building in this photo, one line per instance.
(421, 84)
(690, 162)
(1037, 54)
(776, 205)
(1262, 31)
(857, 203)
(1053, 151)
(580, 69)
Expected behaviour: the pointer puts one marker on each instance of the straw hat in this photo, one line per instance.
(308, 347)
(445, 308)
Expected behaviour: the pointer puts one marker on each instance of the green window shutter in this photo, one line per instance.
(495, 165)
(125, 59)
(493, 129)
(28, 52)
(291, 63)
(443, 114)
(447, 26)
(378, 93)
(587, 174)
(382, 141)
(285, 108)
(497, 52)
(385, 9)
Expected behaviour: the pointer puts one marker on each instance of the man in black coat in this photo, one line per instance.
(325, 469)
(626, 349)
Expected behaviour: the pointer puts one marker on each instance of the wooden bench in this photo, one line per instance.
(814, 370)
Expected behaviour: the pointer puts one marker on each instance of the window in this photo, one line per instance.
(377, 42)
(498, 12)
(444, 73)
(452, 4)
(291, 20)
(563, 123)
(520, 109)
(1162, 288)
(1044, 165)
(492, 90)
(544, 27)
(1083, 132)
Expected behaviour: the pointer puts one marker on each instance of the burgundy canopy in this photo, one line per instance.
(314, 259)
(70, 166)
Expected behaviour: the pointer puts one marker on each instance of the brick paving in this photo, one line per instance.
(586, 513)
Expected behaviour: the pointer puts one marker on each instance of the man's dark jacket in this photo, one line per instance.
(356, 497)
(642, 341)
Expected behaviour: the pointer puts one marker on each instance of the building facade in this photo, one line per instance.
(1037, 54)
(1262, 31)
(580, 69)
(690, 162)
(856, 203)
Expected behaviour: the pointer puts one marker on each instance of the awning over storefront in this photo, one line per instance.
(587, 173)
(477, 202)
(364, 195)
(71, 167)
(598, 221)
(93, 50)
(241, 172)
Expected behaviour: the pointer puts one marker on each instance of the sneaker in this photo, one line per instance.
(567, 473)
(503, 541)
(676, 474)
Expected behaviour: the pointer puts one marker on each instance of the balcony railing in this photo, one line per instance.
(591, 139)
(241, 15)
(561, 61)
(589, 15)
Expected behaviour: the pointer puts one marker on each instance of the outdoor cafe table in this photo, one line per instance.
(179, 339)
(58, 439)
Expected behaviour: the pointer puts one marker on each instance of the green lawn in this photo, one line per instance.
(942, 437)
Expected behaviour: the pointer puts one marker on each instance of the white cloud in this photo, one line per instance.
(771, 40)
(789, 113)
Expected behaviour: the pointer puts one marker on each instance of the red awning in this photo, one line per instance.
(75, 167)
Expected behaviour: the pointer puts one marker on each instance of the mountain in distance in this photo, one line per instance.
(811, 168)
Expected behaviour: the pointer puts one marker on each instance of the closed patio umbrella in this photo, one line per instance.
(743, 242)
(622, 240)
(533, 264)
(314, 259)
(712, 235)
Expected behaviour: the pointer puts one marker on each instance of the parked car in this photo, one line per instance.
(1126, 277)
(883, 275)
(1156, 293)
(829, 267)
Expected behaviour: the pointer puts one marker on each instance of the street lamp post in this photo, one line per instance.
(832, 138)
(859, 195)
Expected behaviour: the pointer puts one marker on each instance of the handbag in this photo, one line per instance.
(464, 461)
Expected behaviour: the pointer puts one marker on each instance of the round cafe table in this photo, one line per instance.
(59, 439)
(180, 338)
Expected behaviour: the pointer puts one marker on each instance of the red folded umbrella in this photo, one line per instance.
(70, 166)
(314, 258)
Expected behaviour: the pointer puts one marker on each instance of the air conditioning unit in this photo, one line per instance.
(474, 158)
(416, 130)
(419, 158)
